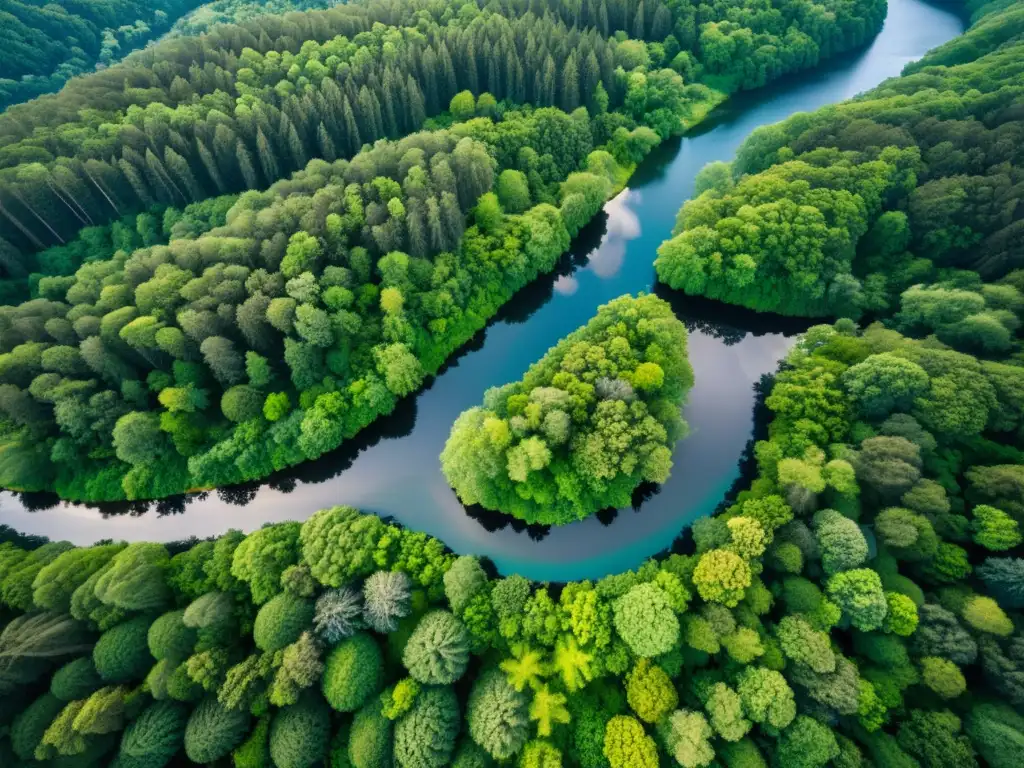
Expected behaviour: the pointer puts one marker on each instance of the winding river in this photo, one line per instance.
(394, 470)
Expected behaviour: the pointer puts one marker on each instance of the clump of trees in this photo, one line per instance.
(590, 421)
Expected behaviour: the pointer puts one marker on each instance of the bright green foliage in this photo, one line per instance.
(687, 737)
(263, 556)
(254, 752)
(354, 673)
(154, 737)
(60, 737)
(995, 530)
(627, 746)
(943, 677)
(122, 654)
(169, 638)
(339, 544)
(135, 579)
(859, 594)
(650, 692)
(425, 736)
(57, 581)
(985, 615)
(901, 618)
(548, 709)
(598, 414)
(75, 680)
(807, 744)
(540, 754)
(721, 576)
(525, 668)
(103, 712)
(725, 712)
(213, 731)
(369, 742)
(497, 715)
(16, 585)
(281, 620)
(645, 621)
(438, 650)
(766, 697)
(802, 643)
(300, 733)
(397, 699)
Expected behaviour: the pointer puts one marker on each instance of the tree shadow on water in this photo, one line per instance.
(727, 322)
(492, 522)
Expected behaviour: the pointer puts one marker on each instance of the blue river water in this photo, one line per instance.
(393, 469)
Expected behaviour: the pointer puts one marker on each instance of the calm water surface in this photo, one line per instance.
(394, 471)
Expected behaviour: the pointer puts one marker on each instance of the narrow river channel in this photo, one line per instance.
(393, 469)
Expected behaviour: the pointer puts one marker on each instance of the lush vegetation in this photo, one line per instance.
(249, 334)
(848, 210)
(45, 44)
(858, 602)
(833, 615)
(587, 423)
(271, 93)
(205, 17)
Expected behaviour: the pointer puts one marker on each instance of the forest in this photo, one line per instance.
(589, 422)
(191, 305)
(848, 210)
(222, 338)
(859, 604)
(47, 44)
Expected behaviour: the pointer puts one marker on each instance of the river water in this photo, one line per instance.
(393, 469)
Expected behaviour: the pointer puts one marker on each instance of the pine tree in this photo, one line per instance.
(268, 162)
(245, 166)
(324, 143)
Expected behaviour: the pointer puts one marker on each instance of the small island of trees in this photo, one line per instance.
(588, 423)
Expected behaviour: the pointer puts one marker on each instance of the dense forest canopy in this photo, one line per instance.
(209, 15)
(113, 142)
(587, 423)
(255, 301)
(249, 334)
(46, 44)
(844, 210)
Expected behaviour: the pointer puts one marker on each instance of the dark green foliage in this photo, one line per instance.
(28, 727)
(425, 735)
(169, 637)
(154, 737)
(76, 680)
(300, 733)
(32, 644)
(122, 654)
(213, 731)
(354, 672)
(599, 413)
(281, 621)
